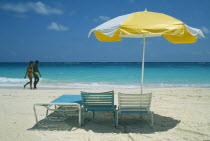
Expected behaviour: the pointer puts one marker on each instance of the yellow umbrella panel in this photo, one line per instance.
(146, 24)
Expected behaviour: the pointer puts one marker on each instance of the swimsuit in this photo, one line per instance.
(36, 73)
(29, 71)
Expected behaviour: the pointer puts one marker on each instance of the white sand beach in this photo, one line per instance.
(179, 114)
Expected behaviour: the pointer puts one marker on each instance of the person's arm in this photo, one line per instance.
(39, 72)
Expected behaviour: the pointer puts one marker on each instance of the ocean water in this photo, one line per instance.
(109, 75)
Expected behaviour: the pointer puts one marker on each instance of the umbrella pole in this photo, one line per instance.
(142, 72)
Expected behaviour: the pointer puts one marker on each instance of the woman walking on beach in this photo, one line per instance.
(29, 72)
(36, 73)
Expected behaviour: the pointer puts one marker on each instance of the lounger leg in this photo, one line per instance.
(93, 114)
(46, 114)
(80, 116)
(114, 114)
(150, 115)
(152, 119)
(35, 114)
(83, 116)
(116, 118)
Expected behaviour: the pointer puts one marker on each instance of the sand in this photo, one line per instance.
(179, 114)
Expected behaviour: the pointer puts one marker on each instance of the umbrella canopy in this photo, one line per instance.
(146, 24)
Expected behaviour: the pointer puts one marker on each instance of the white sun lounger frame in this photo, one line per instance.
(135, 103)
(73, 108)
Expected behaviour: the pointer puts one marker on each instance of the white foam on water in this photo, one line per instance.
(19, 82)
(89, 86)
(12, 80)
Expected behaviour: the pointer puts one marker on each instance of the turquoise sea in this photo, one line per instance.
(109, 75)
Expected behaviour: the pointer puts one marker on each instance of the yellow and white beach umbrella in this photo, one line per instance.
(146, 24)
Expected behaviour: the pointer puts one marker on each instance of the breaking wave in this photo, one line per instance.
(50, 84)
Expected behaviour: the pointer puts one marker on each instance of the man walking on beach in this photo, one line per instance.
(36, 73)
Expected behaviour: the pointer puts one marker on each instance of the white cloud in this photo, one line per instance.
(104, 18)
(37, 7)
(205, 29)
(101, 19)
(57, 27)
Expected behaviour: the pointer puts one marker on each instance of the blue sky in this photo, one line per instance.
(57, 30)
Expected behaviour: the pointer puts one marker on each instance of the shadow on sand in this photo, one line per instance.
(104, 123)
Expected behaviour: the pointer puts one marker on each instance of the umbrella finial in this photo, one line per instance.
(145, 10)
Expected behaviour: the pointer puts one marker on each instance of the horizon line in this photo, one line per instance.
(106, 62)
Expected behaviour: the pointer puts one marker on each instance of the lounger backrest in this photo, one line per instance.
(97, 99)
(134, 100)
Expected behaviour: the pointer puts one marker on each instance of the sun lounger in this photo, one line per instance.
(64, 103)
(135, 103)
(95, 102)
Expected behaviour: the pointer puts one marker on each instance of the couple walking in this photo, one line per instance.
(31, 71)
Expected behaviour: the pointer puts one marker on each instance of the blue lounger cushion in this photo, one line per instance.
(67, 98)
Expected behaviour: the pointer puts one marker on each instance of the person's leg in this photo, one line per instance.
(36, 80)
(26, 84)
(30, 81)
(30, 78)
